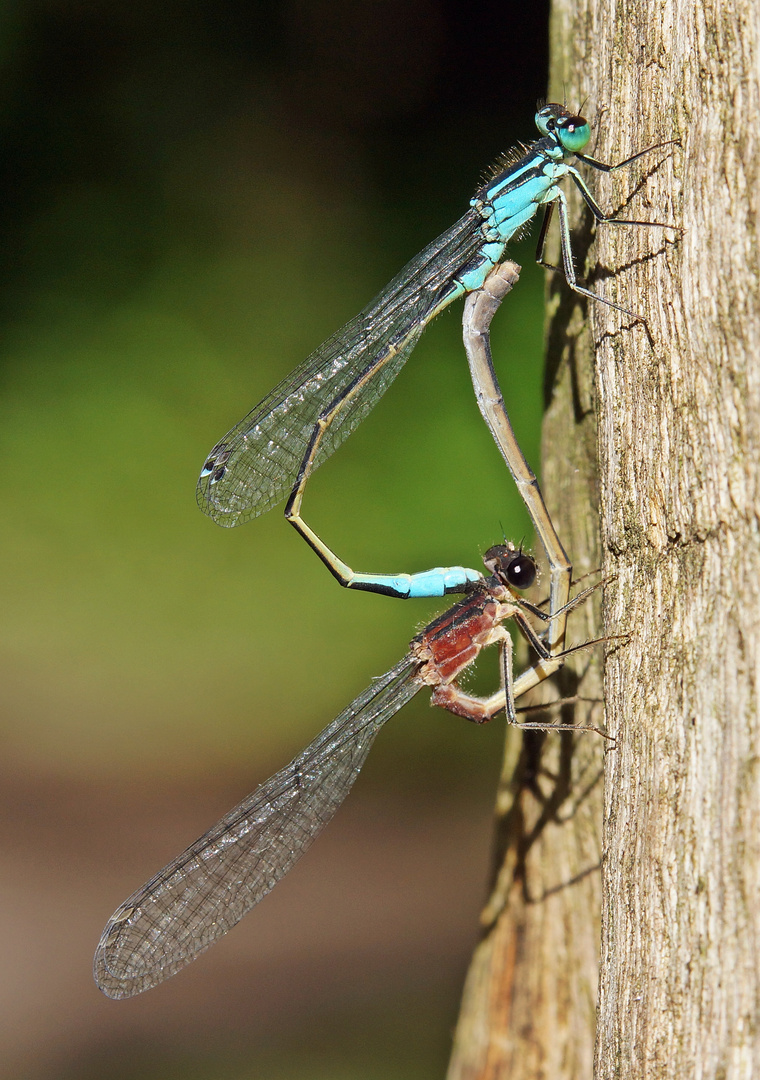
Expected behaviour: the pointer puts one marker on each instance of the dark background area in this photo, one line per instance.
(192, 196)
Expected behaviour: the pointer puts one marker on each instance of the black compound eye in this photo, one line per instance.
(520, 571)
(511, 567)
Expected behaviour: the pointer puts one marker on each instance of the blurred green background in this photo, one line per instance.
(194, 195)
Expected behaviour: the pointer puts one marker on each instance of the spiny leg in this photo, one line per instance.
(558, 196)
(480, 710)
(602, 167)
(568, 265)
(450, 696)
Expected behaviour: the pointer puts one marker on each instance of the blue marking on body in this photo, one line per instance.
(515, 208)
(439, 581)
(512, 221)
(512, 177)
(471, 277)
(529, 195)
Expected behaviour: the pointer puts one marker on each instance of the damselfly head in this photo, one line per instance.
(571, 132)
(511, 566)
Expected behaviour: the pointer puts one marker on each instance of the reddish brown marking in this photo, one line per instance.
(453, 641)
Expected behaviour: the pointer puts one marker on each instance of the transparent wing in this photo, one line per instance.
(256, 463)
(204, 892)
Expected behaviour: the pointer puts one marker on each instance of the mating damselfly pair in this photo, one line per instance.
(272, 452)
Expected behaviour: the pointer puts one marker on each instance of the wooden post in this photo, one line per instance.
(676, 405)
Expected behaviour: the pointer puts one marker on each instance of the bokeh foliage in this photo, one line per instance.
(192, 199)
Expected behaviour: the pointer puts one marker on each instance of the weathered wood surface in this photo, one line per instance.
(675, 407)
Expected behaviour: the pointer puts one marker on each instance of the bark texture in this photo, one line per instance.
(529, 1005)
(677, 404)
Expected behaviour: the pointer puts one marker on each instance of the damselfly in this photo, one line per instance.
(277, 446)
(204, 892)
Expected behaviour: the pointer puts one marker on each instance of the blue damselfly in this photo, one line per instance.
(277, 446)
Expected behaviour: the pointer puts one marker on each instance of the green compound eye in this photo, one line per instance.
(573, 133)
